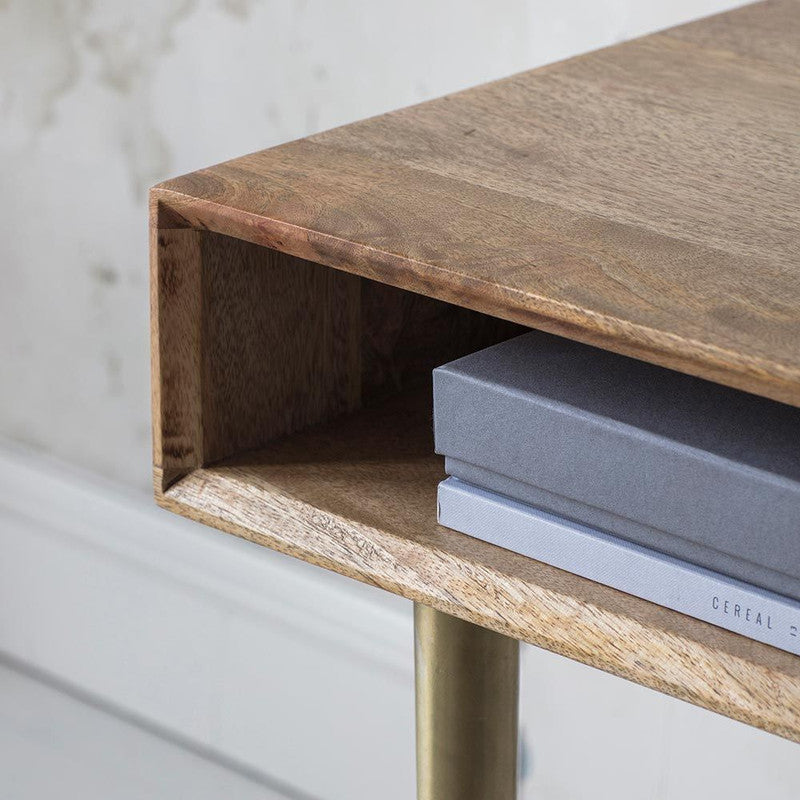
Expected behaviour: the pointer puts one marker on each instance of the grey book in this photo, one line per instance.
(689, 589)
(698, 471)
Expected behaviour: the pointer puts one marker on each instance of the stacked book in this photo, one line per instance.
(668, 487)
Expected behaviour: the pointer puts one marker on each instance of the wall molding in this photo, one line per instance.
(127, 525)
(86, 564)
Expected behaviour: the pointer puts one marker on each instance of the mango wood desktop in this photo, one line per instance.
(643, 199)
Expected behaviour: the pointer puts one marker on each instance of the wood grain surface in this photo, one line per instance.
(644, 198)
(359, 497)
(175, 306)
(249, 344)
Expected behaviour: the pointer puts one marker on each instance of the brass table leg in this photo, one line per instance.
(467, 686)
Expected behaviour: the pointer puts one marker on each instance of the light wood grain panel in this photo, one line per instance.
(281, 345)
(359, 497)
(644, 198)
(404, 336)
(767, 31)
(250, 344)
(175, 297)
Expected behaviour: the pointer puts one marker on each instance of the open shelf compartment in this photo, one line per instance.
(292, 407)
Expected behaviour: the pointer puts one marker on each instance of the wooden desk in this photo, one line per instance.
(643, 198)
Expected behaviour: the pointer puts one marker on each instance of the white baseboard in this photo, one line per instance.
(299, 675)
(292, 671)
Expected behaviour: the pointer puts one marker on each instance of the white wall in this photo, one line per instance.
(100, 100)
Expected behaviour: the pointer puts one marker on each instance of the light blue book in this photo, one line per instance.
(639, 571)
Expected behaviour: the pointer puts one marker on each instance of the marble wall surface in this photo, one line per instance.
(99, 100)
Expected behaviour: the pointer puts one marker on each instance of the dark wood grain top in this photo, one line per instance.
(644, 198)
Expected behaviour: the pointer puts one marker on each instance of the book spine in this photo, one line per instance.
(648, 574)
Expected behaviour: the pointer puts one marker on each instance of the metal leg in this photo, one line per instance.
(467, 687)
